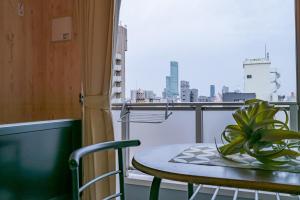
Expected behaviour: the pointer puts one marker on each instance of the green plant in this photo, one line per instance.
(260, 135)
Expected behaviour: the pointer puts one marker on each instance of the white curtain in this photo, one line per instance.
(97, 25)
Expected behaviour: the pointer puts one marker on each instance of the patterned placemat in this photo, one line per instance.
(208, 155)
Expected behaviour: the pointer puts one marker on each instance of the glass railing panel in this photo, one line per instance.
(178, 128)
(214, 123)
(117, 124)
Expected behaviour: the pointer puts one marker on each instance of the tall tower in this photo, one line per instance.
(171, 90)
(260, 78)
(174, 77)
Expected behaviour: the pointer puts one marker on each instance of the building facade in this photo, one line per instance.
(225, 89)
(171, 90)
(212, 91)
(193, 95)
(187, 94)
(237, 97)
(204, 99)
(118, 73)
(184, 91)
(261, 79)
(143, 96)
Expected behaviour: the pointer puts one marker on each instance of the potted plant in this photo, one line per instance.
(259, 134)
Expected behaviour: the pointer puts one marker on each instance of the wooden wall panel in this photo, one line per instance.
(1, 59)
(35, 59)
(18, 55)
(63, 67)
(38, 79)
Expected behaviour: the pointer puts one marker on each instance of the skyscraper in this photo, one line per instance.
(174, 77)
(187, 94)
(172, 82)
(212, 91)
(168, 87)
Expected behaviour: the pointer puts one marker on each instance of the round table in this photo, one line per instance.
(155, 161)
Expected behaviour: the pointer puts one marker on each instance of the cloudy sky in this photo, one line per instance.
(209, 38)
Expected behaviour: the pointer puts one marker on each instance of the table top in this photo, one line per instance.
(155, 161)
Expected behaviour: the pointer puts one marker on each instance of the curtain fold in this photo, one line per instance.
(96, 22)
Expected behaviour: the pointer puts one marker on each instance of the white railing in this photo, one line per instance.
(189, 123)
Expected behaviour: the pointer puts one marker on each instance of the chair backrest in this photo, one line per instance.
(78, 154)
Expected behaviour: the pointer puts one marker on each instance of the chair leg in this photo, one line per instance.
(154, 191)
(121, 175)
(190, 190)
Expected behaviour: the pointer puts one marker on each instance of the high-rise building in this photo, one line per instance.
(225, 89)
(133, 95)
(169, 94)
(184, 91)
(187, 94)
(193, 95)
(261, 79)
(149, 94)
(164, 94)
(140, 96)
(143, 96)
(118, 73)
(212, 91)
(171, 90)
(174, 77)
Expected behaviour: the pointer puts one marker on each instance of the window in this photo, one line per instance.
(211, 45)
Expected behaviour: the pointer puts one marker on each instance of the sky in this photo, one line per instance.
(210, 39)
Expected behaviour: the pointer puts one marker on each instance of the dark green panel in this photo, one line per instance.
(34, 164)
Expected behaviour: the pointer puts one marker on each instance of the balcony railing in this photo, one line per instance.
(116, 79)
(119, 56)
(189, 122)
(116, 90)
(117, 67)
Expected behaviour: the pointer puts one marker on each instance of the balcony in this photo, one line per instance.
(188, 123)
(116, 79)
(116, 90)
(118, 56)
(117, 67)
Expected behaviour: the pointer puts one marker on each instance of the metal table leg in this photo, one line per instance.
(154, 191)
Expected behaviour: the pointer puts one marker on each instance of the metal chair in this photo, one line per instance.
(78, 154)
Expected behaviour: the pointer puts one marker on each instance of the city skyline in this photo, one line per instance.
(209, 36)
(261, 81)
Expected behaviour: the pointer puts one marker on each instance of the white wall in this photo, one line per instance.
(260, 83)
